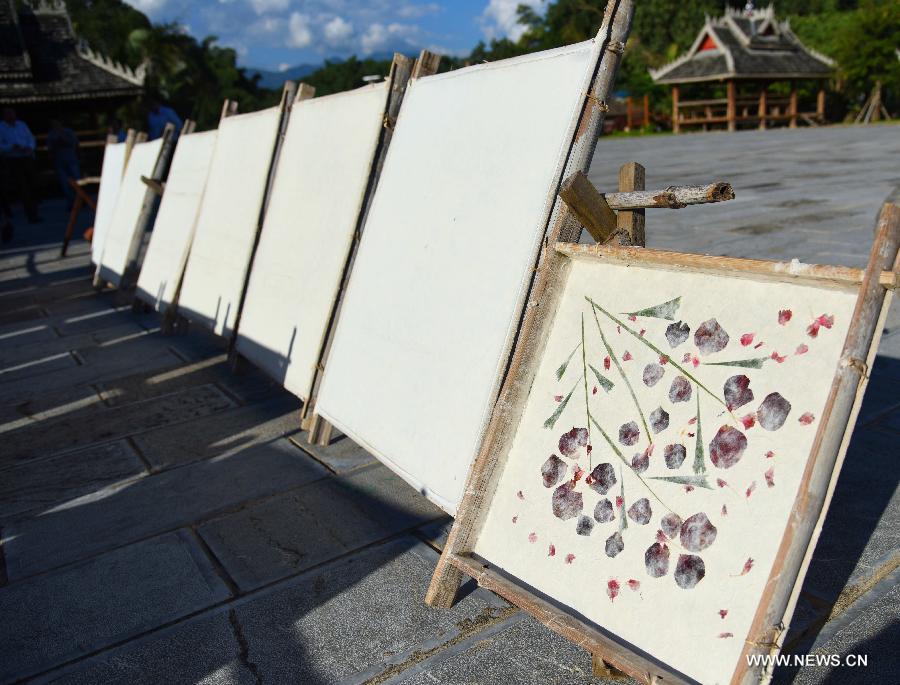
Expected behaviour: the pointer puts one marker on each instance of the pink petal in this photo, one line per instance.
(532, 538)
(723, 612)
(770, 454)
(751, 488)
(594, 391)
(627, 356)
(558, 398)
(606, 363)
(619, 501)
(801, 349)
(721, 483)
(724, 510)
(696, 362)
(632, 317)
(692, 421)
(784, 316)
(777, 357)
(520, 495)
(758, 345)
(686, 358)
(749, 421)
(825, 320)
(813, 329)
(612, 589)
(643, 330)
(724, 635)
(634, 584)
(747, 339)
(570, 558)
(807, 419)
(688, 488)
(551, 551)
(663, 359)
(747, 566)
(515, 518)
(770, 477)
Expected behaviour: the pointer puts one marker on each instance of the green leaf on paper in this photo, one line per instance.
(602, 380)
(562, 367)
(666, 310)
(549, 423)
(699, 461)
(743, 363)
(696, 481)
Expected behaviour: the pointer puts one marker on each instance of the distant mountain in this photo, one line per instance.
(269, 78)
(275, 79)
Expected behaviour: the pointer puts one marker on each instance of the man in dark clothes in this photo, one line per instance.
(17, 159)
(62, 144)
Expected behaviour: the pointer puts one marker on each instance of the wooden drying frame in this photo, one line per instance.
(148, 205)
(875, 286)
(403, 70)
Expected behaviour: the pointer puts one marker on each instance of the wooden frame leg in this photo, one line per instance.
(602, 669)
(444, 584)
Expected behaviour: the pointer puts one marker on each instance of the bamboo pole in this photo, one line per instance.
(731, 113)
(676, 128)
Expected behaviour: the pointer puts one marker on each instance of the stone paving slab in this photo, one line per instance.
(351, 621)
(98, 423)
(202, 650)
(52, 619)
(341, 455)
(222, 434)
(37, 350)
(517, 651)
(861, 534)
(153, 505)
(45, 483)
(869, 630)
(309, 526)
(19, 392)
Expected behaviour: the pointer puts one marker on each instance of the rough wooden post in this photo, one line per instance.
(632, 176)
(763, 106)
(676, 126)
(629, 119)
(402, 68)
(792, 107)
(646, 110)
(562, 226)
(820, 105)
(731, 113)
(289, 95)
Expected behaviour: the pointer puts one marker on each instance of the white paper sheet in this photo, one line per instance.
(229, 215)
(129, 201)
(110, 182)
(446, 258)
(782, 343)
(173, 230)
(317, 194)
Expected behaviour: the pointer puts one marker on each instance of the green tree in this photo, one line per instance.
(866, 49)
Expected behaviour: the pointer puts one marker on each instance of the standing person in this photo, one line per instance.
(62, 144)
(17, 156)
(158, 116)
(116, 129)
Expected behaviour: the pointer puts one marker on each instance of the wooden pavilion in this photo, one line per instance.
(746, 51)
(47, 72)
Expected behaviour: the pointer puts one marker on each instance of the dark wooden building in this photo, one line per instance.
(47, 72)
(746, 52)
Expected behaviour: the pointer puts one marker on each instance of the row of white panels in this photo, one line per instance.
(444, 263)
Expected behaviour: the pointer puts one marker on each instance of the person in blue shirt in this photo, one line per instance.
(17, 160)
(158, 116)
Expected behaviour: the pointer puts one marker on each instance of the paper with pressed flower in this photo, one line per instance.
(110, 182)
(660, 450)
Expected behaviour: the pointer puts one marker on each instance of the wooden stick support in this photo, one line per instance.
(589, 207)
(632, 222)
(673, 197)
(426, 65)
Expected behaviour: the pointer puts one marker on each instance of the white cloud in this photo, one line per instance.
(148, 6)
(414, 11)
(299, 31)
(500, 18)
(283, 67)
(337, 31)
(380, 37)
(265, 26)
(263, 6)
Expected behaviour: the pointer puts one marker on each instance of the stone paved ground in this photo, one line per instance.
(162, 519)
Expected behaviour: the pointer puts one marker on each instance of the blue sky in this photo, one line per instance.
(275, 34)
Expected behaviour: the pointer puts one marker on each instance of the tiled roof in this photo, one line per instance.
(58, 65)
(754, 46)
(14, 61)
